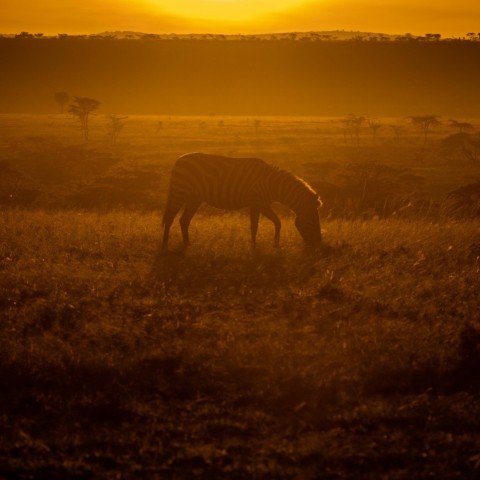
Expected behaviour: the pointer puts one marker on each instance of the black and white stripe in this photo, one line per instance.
(233, 183)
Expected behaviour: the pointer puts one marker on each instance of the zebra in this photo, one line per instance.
(233, 183)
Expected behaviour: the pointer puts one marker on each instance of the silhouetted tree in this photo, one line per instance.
(82, 109)
(62, 99)
(374, 125)
(398, 130)
(116, 126)
(433, 36)
(346, 128)
(461, 125)
(24, 35)
(425, 122)
(352, 125)
(256, 126)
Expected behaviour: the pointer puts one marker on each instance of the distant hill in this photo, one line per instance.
(327, 35)
(314, 73)
(317, 35)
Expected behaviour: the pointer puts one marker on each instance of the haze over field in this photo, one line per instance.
(244, 76)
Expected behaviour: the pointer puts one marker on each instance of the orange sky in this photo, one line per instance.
(450, 18)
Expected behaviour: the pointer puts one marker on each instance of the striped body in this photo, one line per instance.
(234, 183)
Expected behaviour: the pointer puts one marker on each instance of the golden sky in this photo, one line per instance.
(448, 17)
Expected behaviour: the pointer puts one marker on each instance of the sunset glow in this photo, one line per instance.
(228, 10)
(239, 16)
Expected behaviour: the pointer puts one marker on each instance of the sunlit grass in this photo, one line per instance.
(359, 360)
(90, 284)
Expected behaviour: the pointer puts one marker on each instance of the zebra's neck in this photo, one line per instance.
(287, 190)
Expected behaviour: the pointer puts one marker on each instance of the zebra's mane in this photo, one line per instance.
(302, 184)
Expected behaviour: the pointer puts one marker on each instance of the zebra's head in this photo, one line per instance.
(307, 222)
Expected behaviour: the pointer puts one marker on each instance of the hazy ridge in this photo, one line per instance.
(131, 35)
(245, 76)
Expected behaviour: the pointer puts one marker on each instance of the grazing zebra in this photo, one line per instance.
(233, 183)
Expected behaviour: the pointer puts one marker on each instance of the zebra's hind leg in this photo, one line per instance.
(168, 218)
(271, 215)
(187, 215)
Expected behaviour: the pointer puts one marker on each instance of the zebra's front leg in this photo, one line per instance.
(271, 215)
(187, 215)
(167, 221)
(254, 216)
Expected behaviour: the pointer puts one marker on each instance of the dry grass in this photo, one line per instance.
(358, 361)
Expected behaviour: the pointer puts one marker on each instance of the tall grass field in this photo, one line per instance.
(360, 360)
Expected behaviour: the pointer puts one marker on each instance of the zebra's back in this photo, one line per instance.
(222, 182)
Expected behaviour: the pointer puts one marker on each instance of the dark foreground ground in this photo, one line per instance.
(360, 361)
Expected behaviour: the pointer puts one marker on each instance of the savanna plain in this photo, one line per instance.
(358, 360)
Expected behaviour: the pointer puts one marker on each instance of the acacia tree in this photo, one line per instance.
(62, 99)
(461, 125)
(374, 125)
(116, 126)
(398, 130)
(82, 109)
(352, 125)
(425, 122)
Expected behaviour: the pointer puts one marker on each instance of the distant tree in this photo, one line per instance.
(398, 130)
(62, 99)
(374, 125)
(24, 35)
(82, 108)
(351, 126)
(461, 125)
(116, 126)
(256, 126)
(425, 122)
(345, 128)
(357, 122)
